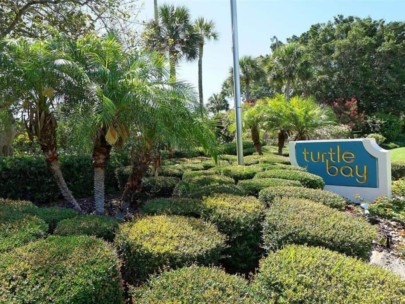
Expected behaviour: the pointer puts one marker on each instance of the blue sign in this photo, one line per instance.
(343, 163)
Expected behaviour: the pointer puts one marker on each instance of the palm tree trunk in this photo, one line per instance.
(200, 79)
(256, 139)
(155, 4)
(172, 63)
(282, 136)
(101, 154)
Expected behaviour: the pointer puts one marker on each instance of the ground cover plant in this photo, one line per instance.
(253, 186)
(306, 179)
(173, 206)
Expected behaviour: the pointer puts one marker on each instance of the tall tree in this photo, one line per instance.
(206, 32)
(173, 34)
(217, 103)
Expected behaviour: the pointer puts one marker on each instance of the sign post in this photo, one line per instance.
(351, 168)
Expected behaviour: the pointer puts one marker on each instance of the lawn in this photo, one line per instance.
(398, 154)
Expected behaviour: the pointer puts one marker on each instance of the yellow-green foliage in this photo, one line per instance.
(53, 215)
(156, 242)
(100, 226)
(159, 185)
(17, 229)
(238, 172)
(398, 169)
(190, 174)
(213, 189)
(398, 187)
(306, 179)
(20, 206)
(175, 170)
(265, 159)
(300, 274)
(193, 285)
(327, 198)
(191, 184)
(173, 206)
(299, 221)
(253, 186)
(388, 207)
(74, 269)
(239, 217)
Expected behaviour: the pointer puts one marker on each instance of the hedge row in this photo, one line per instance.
(300, 274)
(265, 159)
(191, 184)
(239, 172)
(306, 179)
(327, 198)
(75, 269)
(216, 189)
(230, 148)
(154, 243)
(173, 206)
(301, 221)
(253, 186)
(397, 169)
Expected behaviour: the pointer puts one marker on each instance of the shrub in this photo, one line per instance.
(332, 132)
(398, 187)
(191, 174)
(266, 159)
(175, 171)
(300, 274)
(75, 269)
(292, 220)
(378, 137)
(277, 166)
(230, 148)
(397, 169)
(18, 229)
(157, 242)
(122, 174)
(53, 215)
(193, 285)
(191, 184)
(253, 186)
(173, 206)
(327, 198)
(214, 189)
(240, 219)
(239, 172)
(19, 206)
(100, 226)
(160, 185)
(306, 179)
(388, 207)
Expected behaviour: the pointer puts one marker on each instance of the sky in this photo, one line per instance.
(258, 22)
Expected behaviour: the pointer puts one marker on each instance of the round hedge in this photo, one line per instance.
(53, 215)
(190, 174)
(306, 179)
(239, 217)
(193, 285)
(20, 206)
(100, 226)
(253, 186)
(239, 172)
(298, 221)
(18, 229)
(327, 198)
(171, 170)
(159, 185)
(215, 189)
(300, 274)
(74, 269)
(173, 206)
(156, 242)
(191, 184)
(398, 187)
(265, 159)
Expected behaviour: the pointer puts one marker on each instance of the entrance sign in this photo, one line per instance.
(349, 167)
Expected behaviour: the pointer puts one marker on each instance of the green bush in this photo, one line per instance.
(327, 198)
(122, 174)
(266, 159)
(53, 215)
(306, 179)
(28, 178)
(75, 269)
(239, 217)
(19, 206)
(192, 167)
(156, 242)
(299, 221)
(175, 171)
(173, 206)
(253, 186)
(398, 187)
(191, 184)
(378, 137)
(397, 169)
(100, 226)
(191, 174)
(193, 285)
(277, 166)
(160, 185)
(300, 274)
(230, 148)
(239, 172)
(214, 189)
(391, 208)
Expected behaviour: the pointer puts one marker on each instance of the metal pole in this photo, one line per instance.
(236, 82)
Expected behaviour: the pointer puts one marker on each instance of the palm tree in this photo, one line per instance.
(217, 103)
(206, 32)
(173, 34)
(39, 79)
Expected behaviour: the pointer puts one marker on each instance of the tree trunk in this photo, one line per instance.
(256, 139)
(200, 73)
(101, 154)
(282, 136)
(172, 63)
(155, 5)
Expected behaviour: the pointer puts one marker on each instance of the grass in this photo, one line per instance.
(398, 154)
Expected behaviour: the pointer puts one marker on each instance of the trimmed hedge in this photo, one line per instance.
(238, 172)
(28, 178)
(398, 187)
(173, 206)
(53, 215)
(391, 208)
(191, 184)
(306, 179)
(253, 186)
(191, 174)
(100, 226)
(230, 148)
(300, 274)
(397, 169)
(19, 206)
(156, 242)
(75, 269)
(266, 159)
(160, 185)
(215, 189)
(175, 171)
(327, 198)
(302, 221)
(240, 219)
(18, 229)
(193, 285)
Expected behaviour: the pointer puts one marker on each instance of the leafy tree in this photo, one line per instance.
(173, 34)
(217, 103)
(206, 31)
